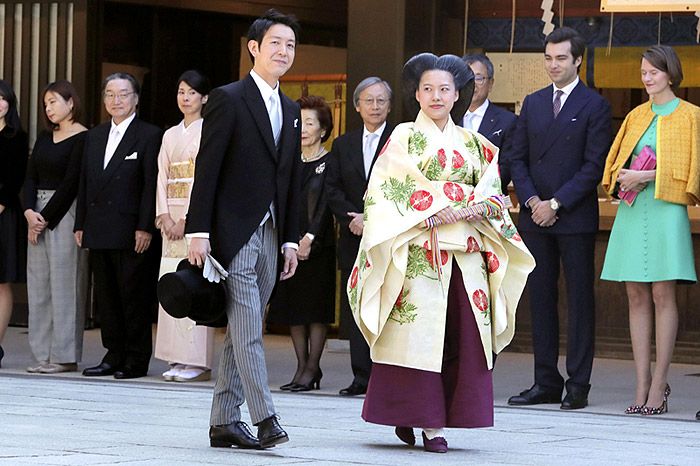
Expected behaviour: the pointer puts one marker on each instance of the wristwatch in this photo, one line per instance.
(554, 204)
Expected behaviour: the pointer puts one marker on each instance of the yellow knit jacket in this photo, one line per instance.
(677, 152)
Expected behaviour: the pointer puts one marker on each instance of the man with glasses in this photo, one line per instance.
(486, 118)
(115, 220)
(349, 167)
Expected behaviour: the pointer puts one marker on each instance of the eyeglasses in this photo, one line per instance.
(481, 79)
(371, 102)
(112, 96)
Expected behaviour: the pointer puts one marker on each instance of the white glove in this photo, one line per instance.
(213, 271)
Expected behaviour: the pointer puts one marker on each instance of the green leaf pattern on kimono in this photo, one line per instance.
(403, 312)
(434, 170)
(399, 192)
(418, 263)
(417, 143)
(369, 202)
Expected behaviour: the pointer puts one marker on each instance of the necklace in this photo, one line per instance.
(320, 154)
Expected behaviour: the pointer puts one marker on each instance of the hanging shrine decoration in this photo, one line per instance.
(547, 16)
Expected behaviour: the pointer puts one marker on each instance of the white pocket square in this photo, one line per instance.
(296, 122)
(133, 156)
(573, 119)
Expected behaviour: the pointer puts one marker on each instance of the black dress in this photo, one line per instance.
(309, 296)
(13, 227)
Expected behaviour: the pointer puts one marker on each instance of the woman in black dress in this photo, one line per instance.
(306, 301)
(56, 267)
(14, 149)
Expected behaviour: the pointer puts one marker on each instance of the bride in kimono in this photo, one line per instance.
(436, 303)
(187, 347)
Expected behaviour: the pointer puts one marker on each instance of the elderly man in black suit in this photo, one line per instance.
(245, 202)
(349, 167)
(114, 219)
(485, 117)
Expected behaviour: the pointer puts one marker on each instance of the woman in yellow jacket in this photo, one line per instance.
(650, 247)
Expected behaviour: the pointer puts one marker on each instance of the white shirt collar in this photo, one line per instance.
(265, 90)
(378, 132)
(481, 111)
(566, 89)
(124, 125)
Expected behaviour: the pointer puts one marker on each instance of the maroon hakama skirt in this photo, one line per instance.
(460, 396)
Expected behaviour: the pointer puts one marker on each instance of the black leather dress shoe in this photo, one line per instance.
(100, 370)
(237, 434)
(129, 372)
(536, 395)
(270, 433)
(354, 389)
(573, 401)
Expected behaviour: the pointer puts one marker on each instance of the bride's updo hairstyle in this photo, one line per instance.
(460, 71)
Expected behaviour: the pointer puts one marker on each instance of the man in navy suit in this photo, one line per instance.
(484, 117)
(244, 209)
(557, 156)
(349, 167)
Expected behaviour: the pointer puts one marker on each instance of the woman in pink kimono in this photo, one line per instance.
(435, 303)
(187, 347)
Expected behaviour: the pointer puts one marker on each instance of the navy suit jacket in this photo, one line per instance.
(497, 126)
(562, 158)
(346, 185)
(239, 171)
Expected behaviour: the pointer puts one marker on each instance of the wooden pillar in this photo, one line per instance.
(383, 34)
(375, 48)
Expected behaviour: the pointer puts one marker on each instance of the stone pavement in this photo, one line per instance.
(67, 419)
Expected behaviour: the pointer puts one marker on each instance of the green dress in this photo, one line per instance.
(650, 240)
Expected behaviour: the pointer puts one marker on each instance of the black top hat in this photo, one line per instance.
(186, 293)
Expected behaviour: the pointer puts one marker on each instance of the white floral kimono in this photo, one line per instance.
(397, 299)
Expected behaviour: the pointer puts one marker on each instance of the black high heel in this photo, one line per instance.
(651, 411)
(289, 386)
(2, 355)
(314, 384)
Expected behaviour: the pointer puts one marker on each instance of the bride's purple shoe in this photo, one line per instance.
(434, 445)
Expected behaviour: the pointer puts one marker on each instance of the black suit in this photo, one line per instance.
(497, 125)
(113, 203)
(561, 158)
(239, 173)
(345, 186)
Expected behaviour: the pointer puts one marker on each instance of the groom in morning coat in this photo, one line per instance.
(245, 202)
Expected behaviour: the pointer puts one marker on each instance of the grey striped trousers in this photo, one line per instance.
(242, 374)
(56, 290)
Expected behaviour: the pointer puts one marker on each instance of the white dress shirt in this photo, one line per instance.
(369, 155)
(116, 133)
(472, 120)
